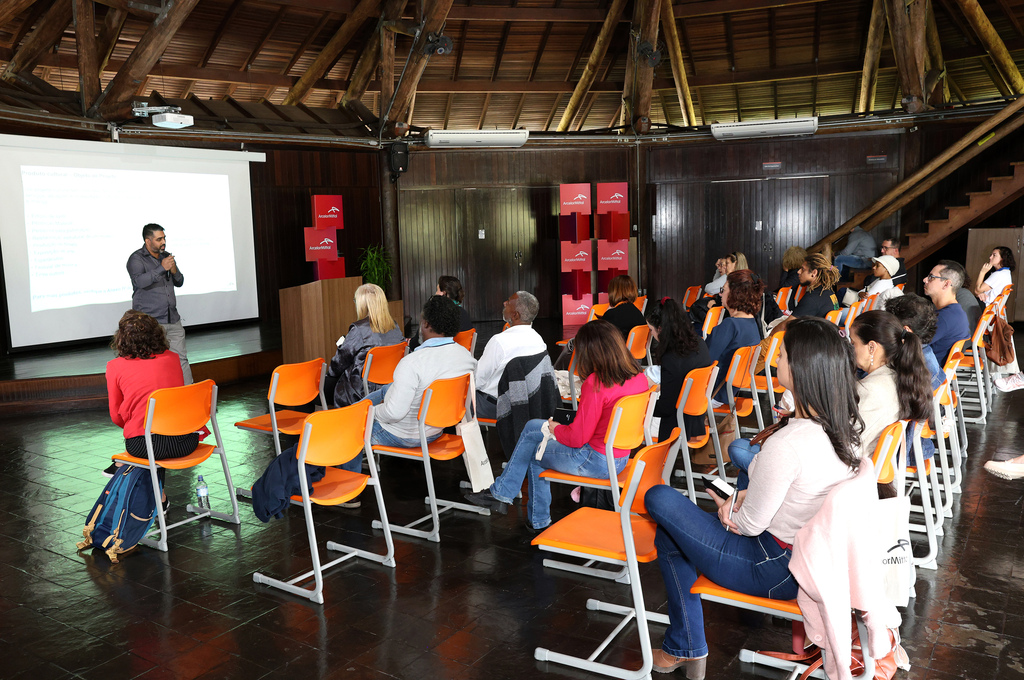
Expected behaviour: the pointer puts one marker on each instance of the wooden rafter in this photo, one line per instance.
(872, 57)
(675, 52)
(146, 10)
(433, 20)
(641, 109)
(307, 41)
(218, 36)
(88, 60)
(142, 59)
(907, 33)
(936, 82)
(993, 74)
(993, 43)
(44, 36)
(332, 50)
(113, 22)
(268, 33)
(370, 59)
(597, 55)
(12, 8)
(815, 53)
(1011, 15)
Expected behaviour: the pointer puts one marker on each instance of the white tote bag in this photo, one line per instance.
(897, 556)
(478, 465)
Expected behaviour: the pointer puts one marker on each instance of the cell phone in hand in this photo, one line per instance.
(719, 488)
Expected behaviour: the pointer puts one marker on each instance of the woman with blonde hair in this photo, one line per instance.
(820, 277)
(792, 259)
(374, 328)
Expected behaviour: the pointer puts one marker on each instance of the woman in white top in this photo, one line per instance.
(747, 545)
(725, 266)
(999, 270)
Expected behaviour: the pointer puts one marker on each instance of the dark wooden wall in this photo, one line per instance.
(712, 198)
(447, 198)
(281, 205)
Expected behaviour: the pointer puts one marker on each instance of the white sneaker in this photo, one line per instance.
(1010, 383)
(1004, 469)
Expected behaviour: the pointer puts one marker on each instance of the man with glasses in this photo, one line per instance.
(951, 324)
(891, 247)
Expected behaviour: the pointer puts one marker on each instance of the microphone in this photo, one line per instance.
(167, 272)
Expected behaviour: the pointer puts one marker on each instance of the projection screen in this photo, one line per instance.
(71, 213)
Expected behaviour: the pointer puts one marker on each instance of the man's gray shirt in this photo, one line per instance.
(153, 287)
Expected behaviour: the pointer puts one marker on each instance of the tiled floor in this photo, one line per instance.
(474, 606)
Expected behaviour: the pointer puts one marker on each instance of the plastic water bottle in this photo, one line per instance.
(203, 494)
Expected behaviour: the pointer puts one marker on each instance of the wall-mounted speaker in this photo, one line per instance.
(398, 157)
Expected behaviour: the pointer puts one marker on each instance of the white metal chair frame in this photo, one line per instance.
(730, 378)
(687, 471)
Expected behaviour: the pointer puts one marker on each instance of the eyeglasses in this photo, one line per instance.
(932, 276)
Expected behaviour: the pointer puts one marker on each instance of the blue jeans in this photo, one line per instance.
(691, 541)
(851, 261)
(381, 436)
(741, 452)
(584, 461)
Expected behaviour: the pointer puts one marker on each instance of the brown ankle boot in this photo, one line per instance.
(666, 663)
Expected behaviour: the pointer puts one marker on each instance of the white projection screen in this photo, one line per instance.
(71, 213)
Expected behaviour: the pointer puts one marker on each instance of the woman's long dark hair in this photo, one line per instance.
(1006, 258)
(601, 350)
(903, 356)
(825, 384)
(675, 330)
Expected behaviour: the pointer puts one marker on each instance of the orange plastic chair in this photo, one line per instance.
(695, 400)
(641, 303)
(445, 404)
(883, 458)
(330, 438)
(741, 378)
(290, 385)
(931, 504)
(174, 411)
(973, 371)
(713, 318)
(691, 295)
(598, 310)
(782, 297)
(639, 342)
(952, 362)
(798, 294)
(380, 363)
(771, 363)
(468, 340)
(623, 537)
(834, 316)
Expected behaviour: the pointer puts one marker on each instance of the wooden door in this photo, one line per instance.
(734, 222)
(980, 243)
(430, 244)
(794, 212)
(677, 240)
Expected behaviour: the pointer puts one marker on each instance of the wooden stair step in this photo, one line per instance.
(958, 207)
(979, 193)
(998, 178)
(1016, 162)
(931, 222)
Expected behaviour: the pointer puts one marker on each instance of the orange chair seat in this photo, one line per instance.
(288, 422)
(445, 447)
(202, 452)
(912, 469)
(697, 442)
(488, 421)
(761, 383)
(576, 479)
(703, 586)
(601, 533)
(744, 407)
(336, 487)
(563, 343)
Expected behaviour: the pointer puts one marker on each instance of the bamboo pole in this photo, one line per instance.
(872, 57)
(675, 52)
(597, 54)
(644, 72)
(993, 43)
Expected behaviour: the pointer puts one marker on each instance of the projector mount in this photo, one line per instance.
(163, 116)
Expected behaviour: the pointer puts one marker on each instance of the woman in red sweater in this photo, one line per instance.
(609, 373)
(143, 364)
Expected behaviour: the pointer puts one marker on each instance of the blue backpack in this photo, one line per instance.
(123, 514)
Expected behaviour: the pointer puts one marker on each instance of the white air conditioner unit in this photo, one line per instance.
(476, 138)
(765, 128)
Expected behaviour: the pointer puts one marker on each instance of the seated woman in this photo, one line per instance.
(679, 351)
(820, 277)
(791, 261)
(747, 546)
(896, 384)
(917, 314)
(451, 288)
(995, 274)
(742, 298)
(144, 363)
(374, 328)
(622, 313)
(727, 265)
(609, 373)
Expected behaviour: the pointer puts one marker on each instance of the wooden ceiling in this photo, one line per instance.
(232, 63)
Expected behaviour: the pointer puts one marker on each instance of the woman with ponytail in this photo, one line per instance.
(896, 385)
(820, 277)
(747, 545)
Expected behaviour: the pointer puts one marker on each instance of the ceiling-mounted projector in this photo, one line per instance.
(765, 128)
(169, 117)
(477, 138)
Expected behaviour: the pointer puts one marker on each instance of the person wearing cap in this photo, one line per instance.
(884, 268)
(951, 324)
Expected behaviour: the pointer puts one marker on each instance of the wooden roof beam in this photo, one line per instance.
(146, 10)
(433, 20)
(113, 22)
(265, 38)
(12, 8)
(45, 35)
(310, 37)
(675, 53)
(593, 63)
(371, 57)
(333, 49)
(993, 43)
(1011, 15)
(936, 80)
(142, 59)
(644, 80)
(88, 59)
(907, 32)
(872, 58)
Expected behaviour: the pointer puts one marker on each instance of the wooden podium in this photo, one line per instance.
(314, 315)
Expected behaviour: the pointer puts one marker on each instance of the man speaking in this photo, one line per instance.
(155, 275)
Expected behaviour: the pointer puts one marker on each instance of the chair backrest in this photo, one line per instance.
(691, 295)
(467, 339)
(870, 302)
(379, 367)
(782, 297)
(978, 338)
(713, 318)
(956, 354)
(800, 290)
(444, 401)
(697, 390)
(900, 286)
(636, 342)
(296, 383)
(175, 411)
(884, 455)
(834, 316)
(641, 303)
(334, 437)
(741, 367)
(627, 422)
(653, 458)
(597, 310)
(774, 350)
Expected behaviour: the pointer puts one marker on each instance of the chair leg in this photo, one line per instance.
(316, 592)
(388, 558)
(160, 543)
(929, 560)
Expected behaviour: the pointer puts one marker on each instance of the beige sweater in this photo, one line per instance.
(879, 406)
(789, 479)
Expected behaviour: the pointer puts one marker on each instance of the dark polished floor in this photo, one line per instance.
(474, 606)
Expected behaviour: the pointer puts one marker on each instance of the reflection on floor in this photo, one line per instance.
(473, 606)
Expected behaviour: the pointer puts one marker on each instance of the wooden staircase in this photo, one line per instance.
(1003, 191)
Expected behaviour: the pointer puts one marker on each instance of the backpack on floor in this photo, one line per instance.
(123, 514)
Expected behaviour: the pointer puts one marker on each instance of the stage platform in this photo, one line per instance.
(54, 380)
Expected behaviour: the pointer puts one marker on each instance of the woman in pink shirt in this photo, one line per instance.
(747, 545)
(609, 373)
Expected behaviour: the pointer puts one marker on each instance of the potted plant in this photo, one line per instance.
(375, 266)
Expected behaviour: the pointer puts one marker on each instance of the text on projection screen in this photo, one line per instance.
(86, 226)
